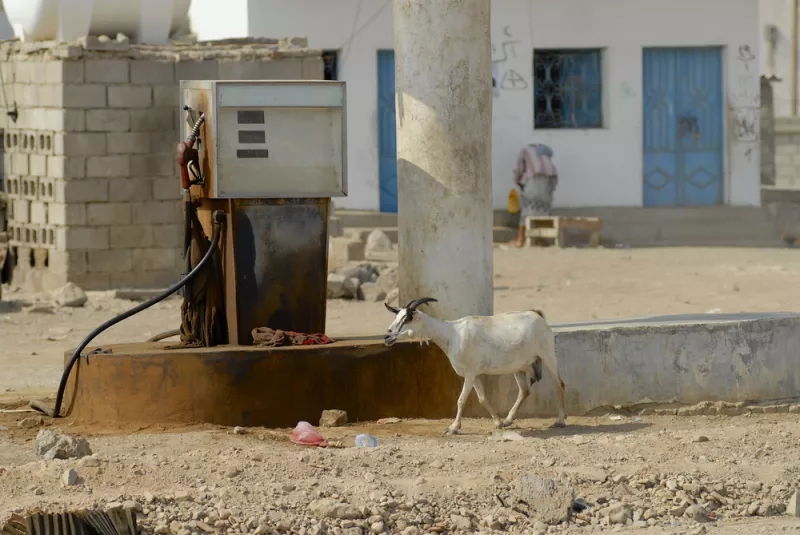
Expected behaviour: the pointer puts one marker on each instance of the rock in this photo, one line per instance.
(753, 486)
(233, 472)
(333, 418)
(351, 289)
(69, 477)
(701, 438)
(332, 509)
(239, 430)
(344, 249)
(539, 527)
(461, 522)
(377, 243)
(362, 272)
(411, 530)
(550, 501)
(372, 292)
(752, 509)
(288, 487)
(770, 509)
(437, 464)
(619, 514)
(393, 296)
(354, 530)
(336, 285)
(70, 295)
(40, 308)
(389, 280)
(793, 508)
(54, 445)
(31, 421)
(697, 513)
(89, 462)
(377, 527)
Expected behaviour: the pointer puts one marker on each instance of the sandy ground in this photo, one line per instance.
(603, 459)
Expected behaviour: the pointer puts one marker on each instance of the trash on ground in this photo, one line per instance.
(266, 337)
(304, 434)
(615, 417)
(391, 420)
(506, 436)
(580, 505)
(366, 441)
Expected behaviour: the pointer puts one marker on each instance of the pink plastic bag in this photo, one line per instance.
(305, 435)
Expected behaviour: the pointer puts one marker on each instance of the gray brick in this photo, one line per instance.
(63, 72)
(108, 166)
(107, 71)
(39, 213)
(126, 96)
(37, 164)
(165, 95)
(110, 261)
(156, 212)
(153, 165)
(152, 72)
(19, 163)
(134, 236)
(92, 281)
(90, 238)
(128, 143)
(88, 190)
(108, 213)
(166, 189)
(84, 96)
(67, 262)
(108, 120)
(79, 144)
(285, 69)
(67, 214)
(50, 96)
(170, 236)
(154, 120)
(143, 279)
(66, 167)
(130, 189)
(154, 259)
(196, 70)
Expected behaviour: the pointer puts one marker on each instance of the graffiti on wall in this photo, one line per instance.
(744, 105)
(506, 65)
(746, 56)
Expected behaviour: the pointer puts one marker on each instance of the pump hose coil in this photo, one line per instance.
(219, 221)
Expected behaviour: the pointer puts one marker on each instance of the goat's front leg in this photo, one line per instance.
(454, 428)
(485, 402)
(524, 392)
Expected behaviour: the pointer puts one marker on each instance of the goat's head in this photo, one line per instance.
(404, 319)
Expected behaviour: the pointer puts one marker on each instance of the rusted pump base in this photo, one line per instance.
(272, 387)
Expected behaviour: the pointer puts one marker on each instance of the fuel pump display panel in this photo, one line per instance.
(290, 152)
(272, 139)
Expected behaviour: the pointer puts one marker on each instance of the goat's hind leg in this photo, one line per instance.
(551, 363)
(485, 402)
(524, 392)
(462, 400)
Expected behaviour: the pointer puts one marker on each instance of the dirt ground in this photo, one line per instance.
(417, 481)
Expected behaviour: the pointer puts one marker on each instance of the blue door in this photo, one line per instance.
(683, 135)
(387, 138)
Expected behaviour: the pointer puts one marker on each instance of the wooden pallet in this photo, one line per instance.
(552, 228)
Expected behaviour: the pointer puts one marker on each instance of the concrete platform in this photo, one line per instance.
(686, 359)
(664, 359)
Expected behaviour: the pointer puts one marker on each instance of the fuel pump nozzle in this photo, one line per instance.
(188, 160)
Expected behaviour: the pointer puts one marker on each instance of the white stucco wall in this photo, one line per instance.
(779, 14)
(601, 167)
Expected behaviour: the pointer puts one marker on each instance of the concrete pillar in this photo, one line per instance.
(444, 147)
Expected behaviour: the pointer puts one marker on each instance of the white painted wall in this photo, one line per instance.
(779, 14)
(597, 167)
(219, 19)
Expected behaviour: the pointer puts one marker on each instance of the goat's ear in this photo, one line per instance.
(391, 309)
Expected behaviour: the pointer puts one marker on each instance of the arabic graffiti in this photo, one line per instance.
(746, 56)
(504, 55)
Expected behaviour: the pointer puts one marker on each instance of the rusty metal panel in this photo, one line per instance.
(280, 258)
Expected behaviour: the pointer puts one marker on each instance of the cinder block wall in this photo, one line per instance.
(89, 163)
(787, 152)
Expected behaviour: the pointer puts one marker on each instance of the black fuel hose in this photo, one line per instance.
(219, 220)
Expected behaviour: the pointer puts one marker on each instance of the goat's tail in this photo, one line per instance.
(535, 373)
(539, 312)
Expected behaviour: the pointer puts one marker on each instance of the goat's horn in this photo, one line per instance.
(419, 302)
(391, 309)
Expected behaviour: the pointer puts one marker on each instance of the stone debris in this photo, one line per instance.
(69, 477)
(551, 501)
(377, 243)
(70, 295)
(365, 281)
(31, 421)
(333, 418)
(53, 444)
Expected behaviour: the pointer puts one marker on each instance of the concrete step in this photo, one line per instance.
(501, 234)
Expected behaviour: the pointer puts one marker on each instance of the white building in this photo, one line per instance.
(644, 102)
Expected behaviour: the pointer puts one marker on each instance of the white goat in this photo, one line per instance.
(516, 343)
